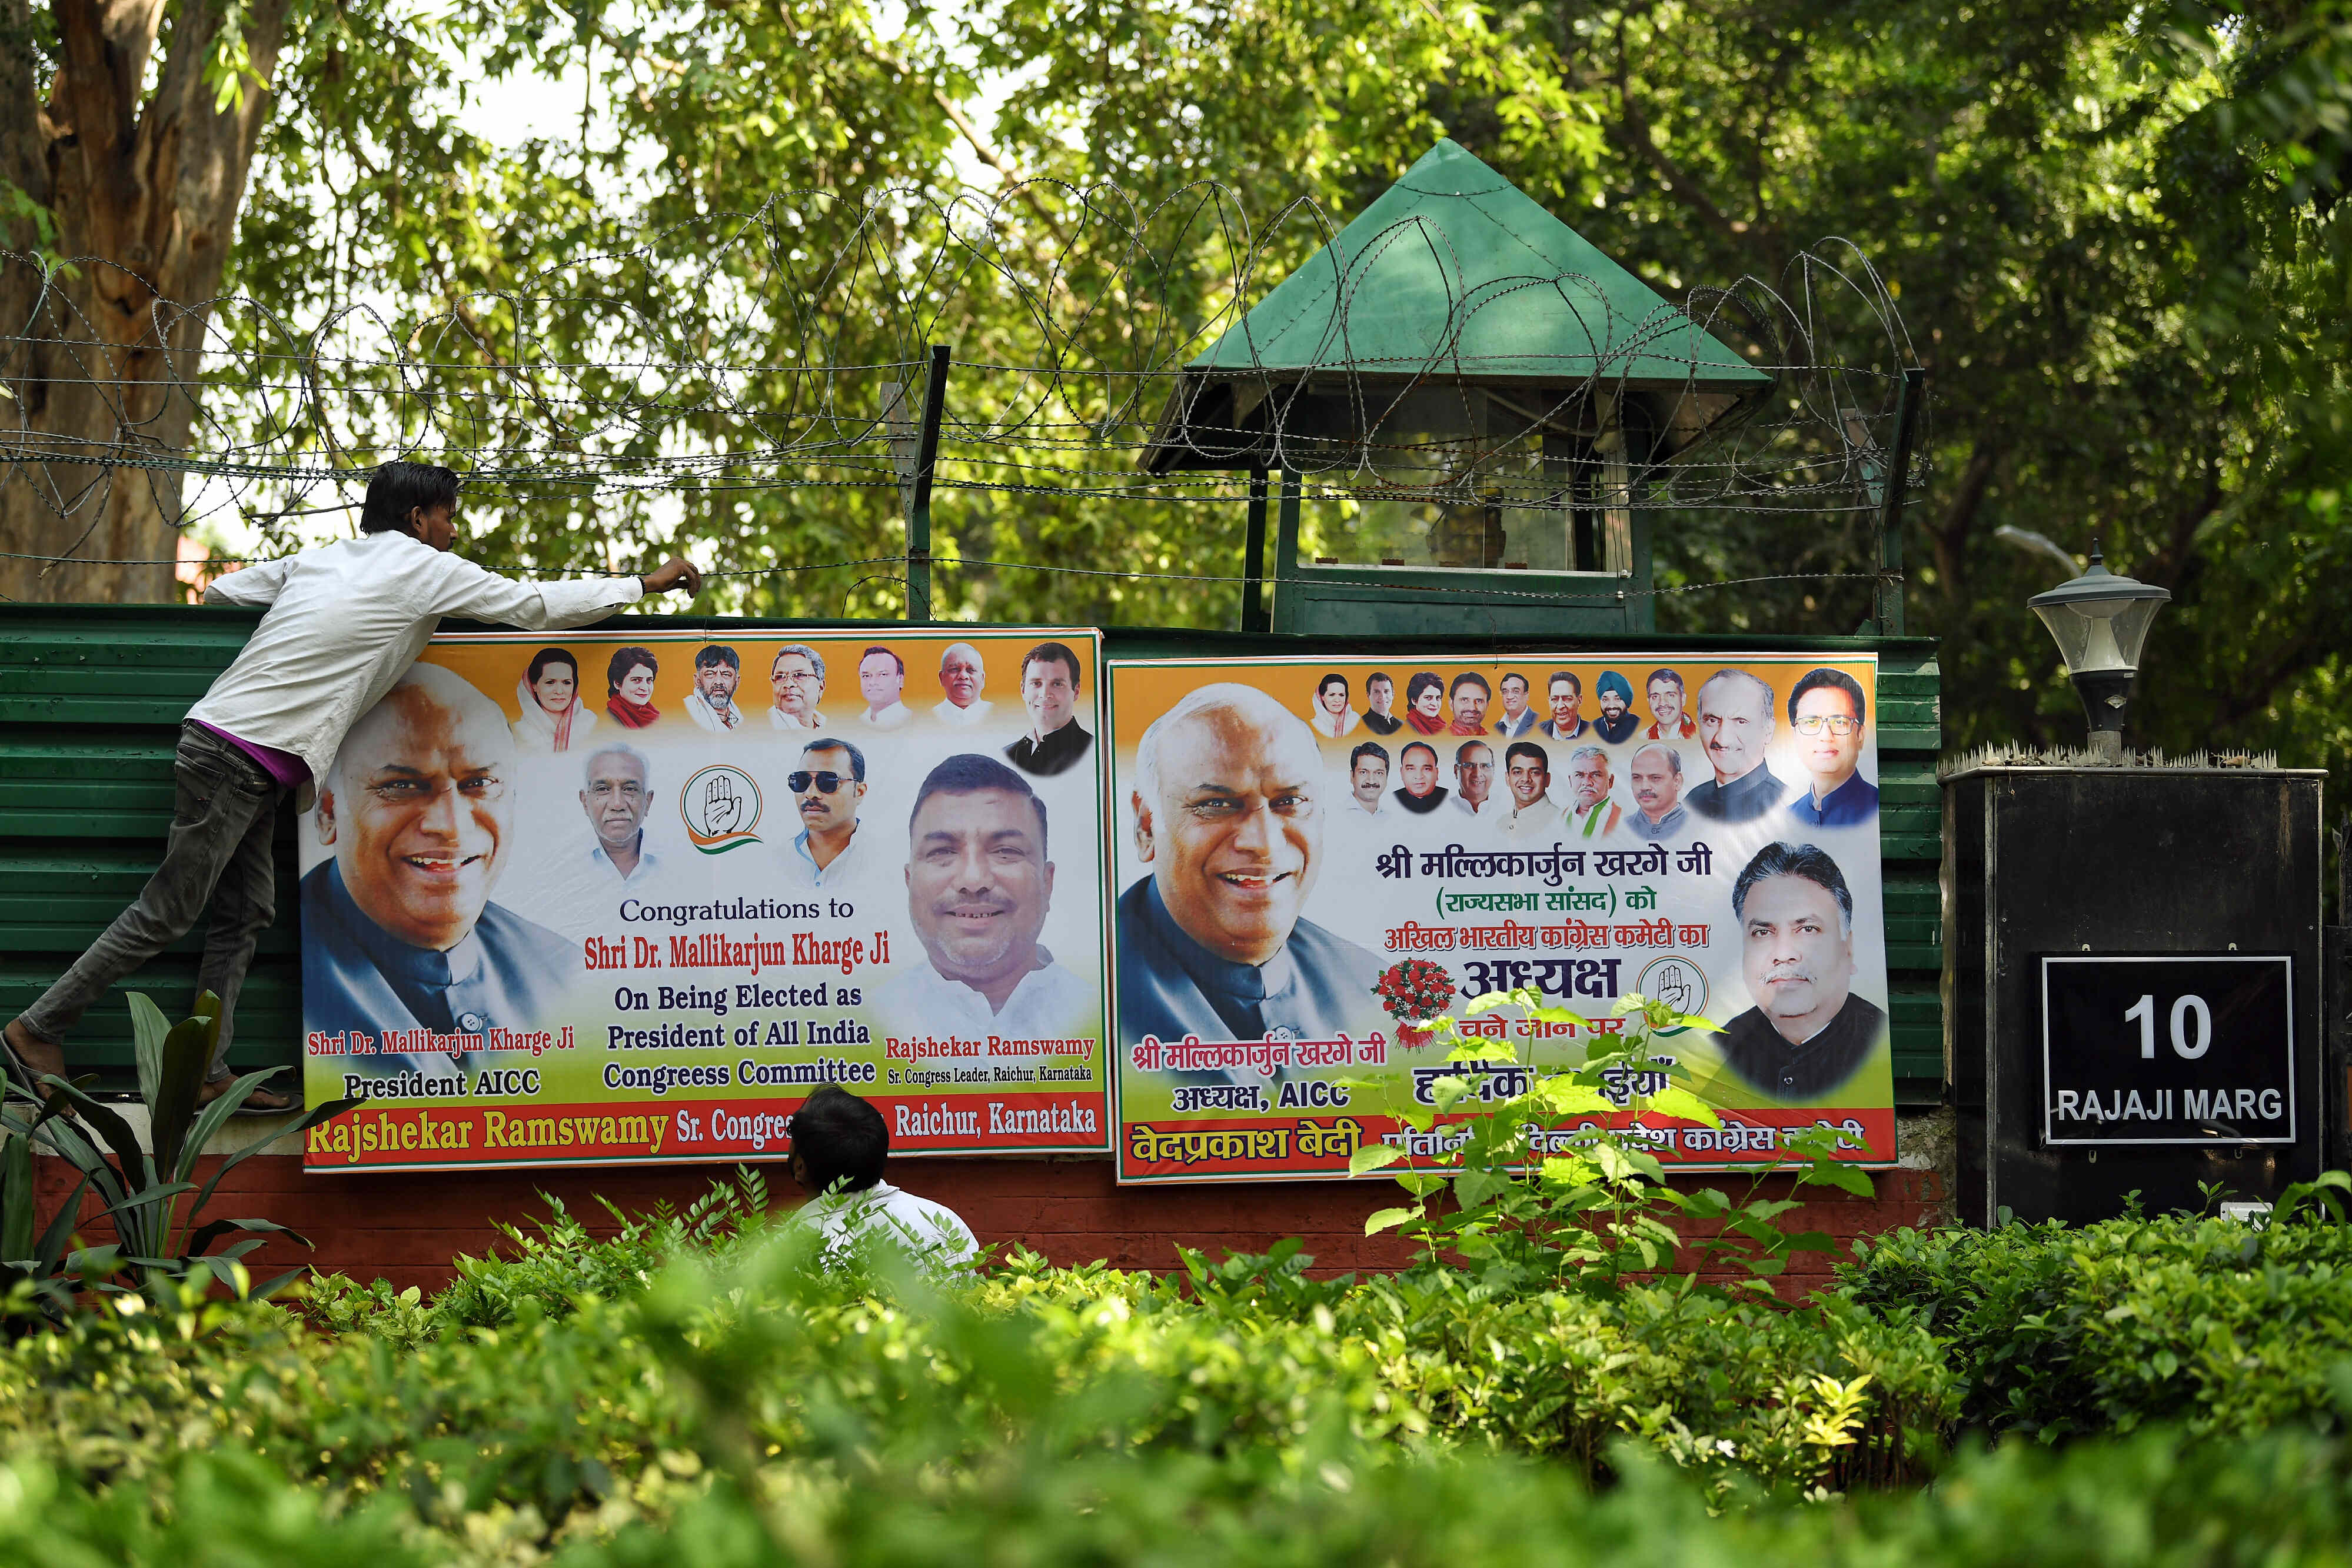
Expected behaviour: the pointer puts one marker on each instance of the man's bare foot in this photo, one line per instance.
(39, 1057)
(263, 1097)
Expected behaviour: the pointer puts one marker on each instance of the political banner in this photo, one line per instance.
(619, 896)
(1289, 833)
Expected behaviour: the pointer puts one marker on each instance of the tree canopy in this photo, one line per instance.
(2112, 230)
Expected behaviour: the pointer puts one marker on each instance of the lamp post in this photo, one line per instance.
(2101, 621)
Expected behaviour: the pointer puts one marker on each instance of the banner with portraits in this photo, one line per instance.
(1287, 832)
(628, 896)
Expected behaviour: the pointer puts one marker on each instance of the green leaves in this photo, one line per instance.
(142, 1188)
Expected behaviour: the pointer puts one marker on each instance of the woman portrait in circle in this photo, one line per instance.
(1332, 717)
(629, 680)
(554, 716)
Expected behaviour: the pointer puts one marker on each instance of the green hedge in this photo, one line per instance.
(695, 1391)
(2056, 1331)
(2282, 1502)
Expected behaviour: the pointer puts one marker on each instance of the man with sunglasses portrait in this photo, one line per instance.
(1826, 708)
(827, 856)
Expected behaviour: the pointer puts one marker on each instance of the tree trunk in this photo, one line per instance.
(99, 358)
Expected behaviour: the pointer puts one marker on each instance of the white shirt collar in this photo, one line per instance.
(647, 862)
(845, 864)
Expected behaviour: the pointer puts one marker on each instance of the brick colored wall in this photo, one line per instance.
(406, 1228)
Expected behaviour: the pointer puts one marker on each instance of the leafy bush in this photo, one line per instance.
(712, 1388)
(756, 1411)
(564, 1262)
(2054, 1329)
(160, 1245)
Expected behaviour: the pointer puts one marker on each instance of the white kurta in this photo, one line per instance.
(345, 622)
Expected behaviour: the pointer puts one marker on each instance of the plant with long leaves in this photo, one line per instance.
(1600, 1212)
(40, 1263)
(158, 1239)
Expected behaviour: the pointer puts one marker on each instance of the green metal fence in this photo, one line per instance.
(92, 697)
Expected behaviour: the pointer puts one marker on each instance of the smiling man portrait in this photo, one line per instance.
(962, 677)
(979, 886)
(796, 680)
(399, 931)
(1829, 712)
(1049, 690)
(1229, 812)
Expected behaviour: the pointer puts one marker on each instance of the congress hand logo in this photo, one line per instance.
(720, 806)
(1676, 981)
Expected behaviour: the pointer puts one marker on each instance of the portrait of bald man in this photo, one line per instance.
(962, 677)
(980, 882)
(1808, 1033)
(1230, 812)
(398, 928)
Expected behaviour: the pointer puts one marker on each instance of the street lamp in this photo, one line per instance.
(2101, 621)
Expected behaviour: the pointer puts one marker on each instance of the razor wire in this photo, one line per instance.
(754, 355)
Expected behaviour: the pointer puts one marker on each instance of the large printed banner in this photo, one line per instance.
(627, 897)
(1286, 832)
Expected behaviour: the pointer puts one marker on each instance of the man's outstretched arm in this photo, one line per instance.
(255, 585)
(470, 590)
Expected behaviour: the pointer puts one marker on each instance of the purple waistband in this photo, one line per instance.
(291, 772)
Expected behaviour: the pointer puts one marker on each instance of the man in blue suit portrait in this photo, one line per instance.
(399, 932)
(1229, 808)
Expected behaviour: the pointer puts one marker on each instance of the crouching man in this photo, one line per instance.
(839, 1141)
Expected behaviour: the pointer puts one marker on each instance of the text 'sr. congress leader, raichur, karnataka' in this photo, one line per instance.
(979, 886)
(1229, 815)
(343, 621)
(399, 932)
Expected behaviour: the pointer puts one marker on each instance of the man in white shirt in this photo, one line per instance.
(583, 892)
(617, 794)
(1591, 814)
(962, 677)
(881, 678)
(1368, 788)
(344, 623)
(711, 703)
(797, 681)
(1534, 821)
(1473, 784)
(839, 1145)
(978, 890)
(826, 787)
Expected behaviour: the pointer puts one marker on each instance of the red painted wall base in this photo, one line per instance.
(407, 1227)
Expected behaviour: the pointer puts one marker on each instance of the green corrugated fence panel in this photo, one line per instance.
(91, 699)
(1918, 1027)
(268, 1010)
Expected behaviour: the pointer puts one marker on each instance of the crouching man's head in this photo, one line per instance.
(838, 1141)
(419, 807)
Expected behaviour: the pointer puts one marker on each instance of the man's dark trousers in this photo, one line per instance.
(224, 809)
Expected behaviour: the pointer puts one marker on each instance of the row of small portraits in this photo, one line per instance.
(555, 707)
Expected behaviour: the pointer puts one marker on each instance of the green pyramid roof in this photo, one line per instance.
(1456, 272)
